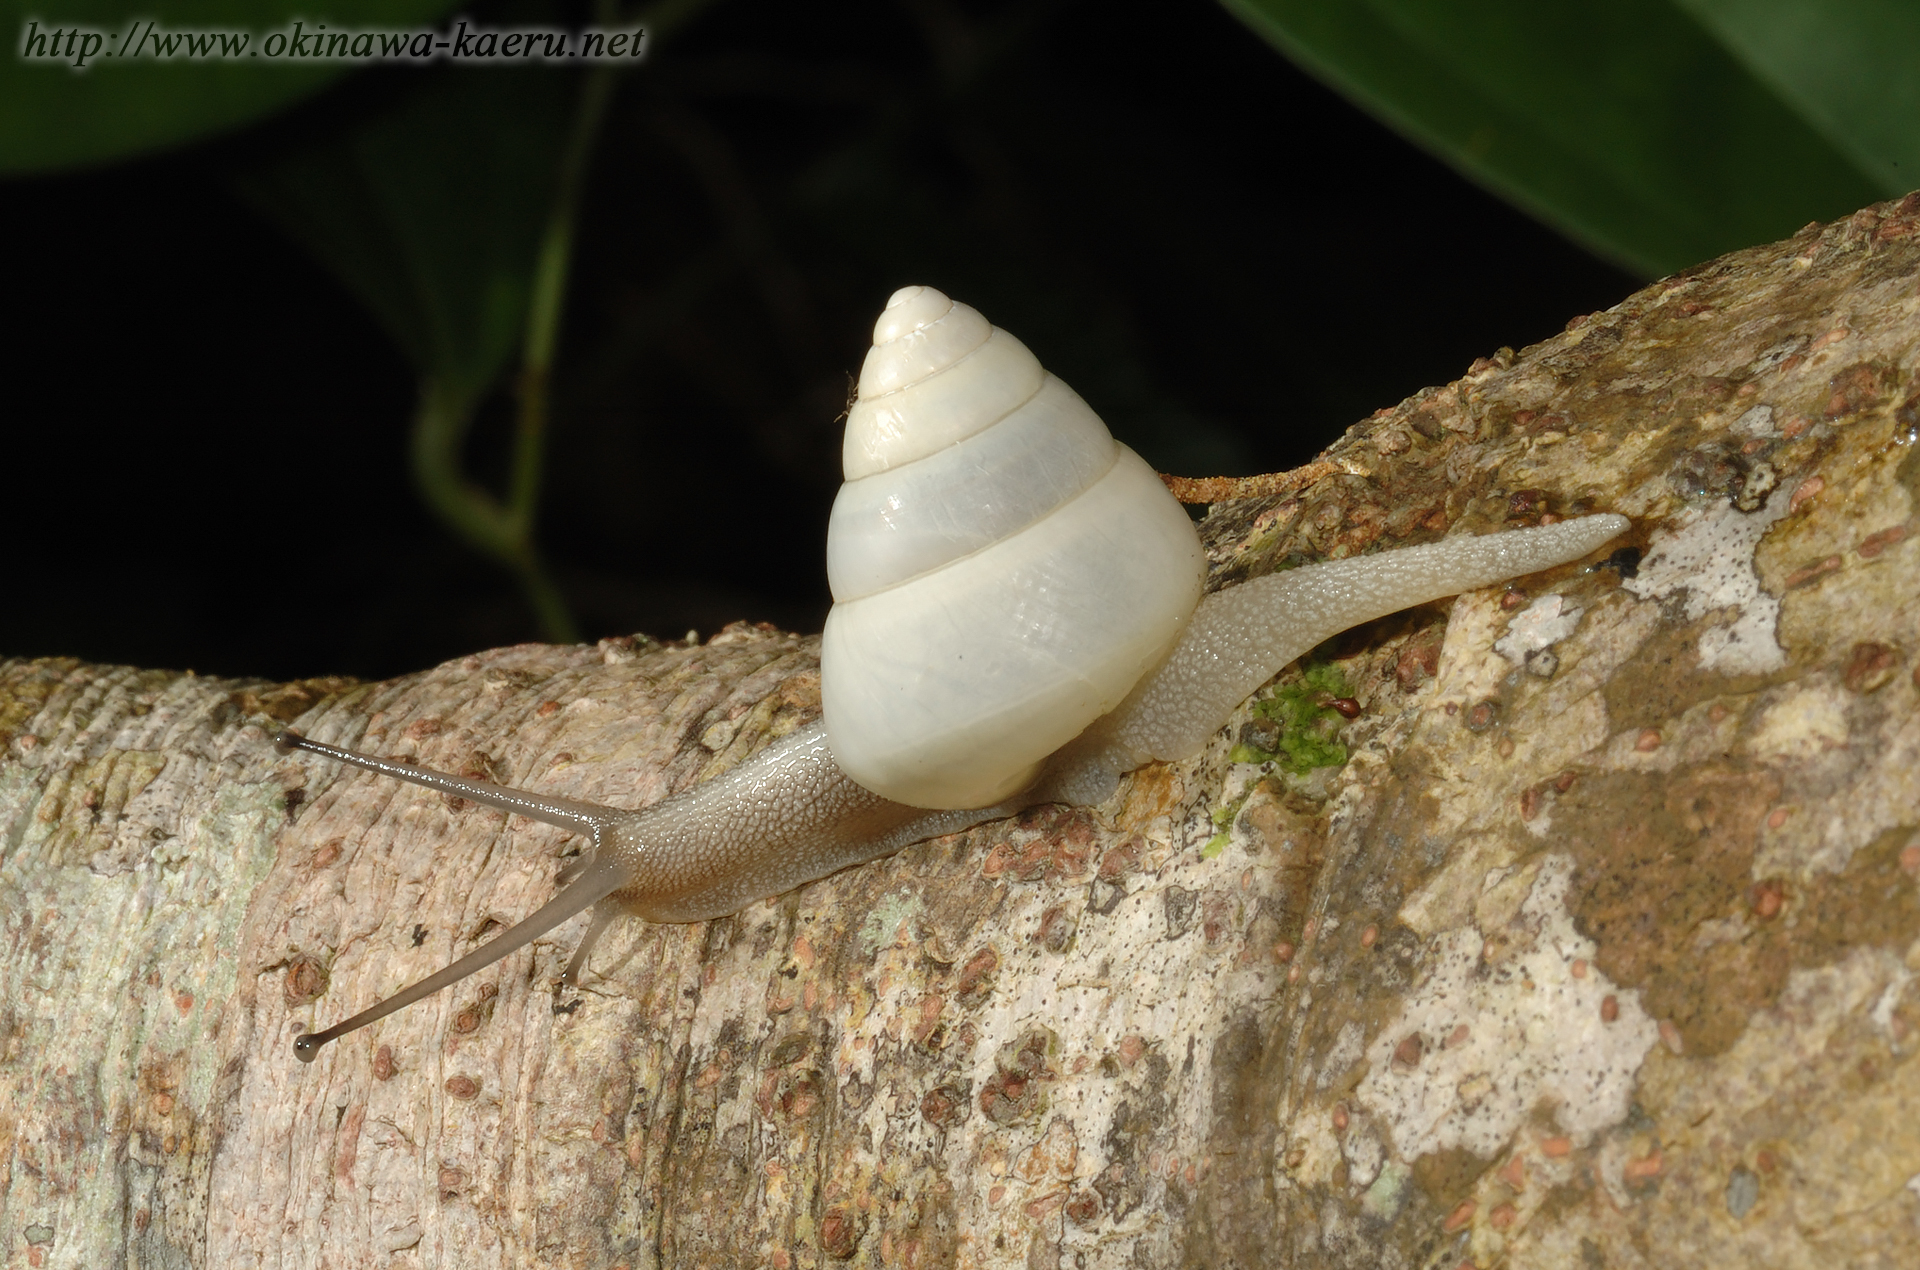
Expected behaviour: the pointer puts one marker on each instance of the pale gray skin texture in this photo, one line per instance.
(790, 816)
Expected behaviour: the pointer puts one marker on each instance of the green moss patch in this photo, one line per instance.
(1301, 729)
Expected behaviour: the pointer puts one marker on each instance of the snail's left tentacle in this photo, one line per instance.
(603, 916)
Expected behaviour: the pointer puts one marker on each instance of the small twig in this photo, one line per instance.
(1216, 489)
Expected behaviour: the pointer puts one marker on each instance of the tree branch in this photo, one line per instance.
(1600, 940)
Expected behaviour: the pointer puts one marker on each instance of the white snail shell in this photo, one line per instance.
(1003, 570)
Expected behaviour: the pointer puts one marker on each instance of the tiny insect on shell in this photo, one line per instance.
(1018, 620)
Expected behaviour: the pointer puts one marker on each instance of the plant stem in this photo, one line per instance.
(506, 531)
(548, 297)
(477, 516)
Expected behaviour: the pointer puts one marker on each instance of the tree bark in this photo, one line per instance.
(1599, 949)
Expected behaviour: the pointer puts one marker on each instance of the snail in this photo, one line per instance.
(1018, 619)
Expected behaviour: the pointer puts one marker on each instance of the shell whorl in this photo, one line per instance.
(1003, 570)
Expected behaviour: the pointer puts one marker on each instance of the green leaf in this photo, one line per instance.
(433, 213)
(446, 215)
(1623, 123)
(54, 116)
(1850, 67)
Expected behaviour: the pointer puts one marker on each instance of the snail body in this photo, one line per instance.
(1018, 620)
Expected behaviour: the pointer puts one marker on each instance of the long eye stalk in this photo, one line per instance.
(568, 813)
(595, 884)
(600, 878)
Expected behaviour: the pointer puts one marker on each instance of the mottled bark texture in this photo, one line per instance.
(1598, 950)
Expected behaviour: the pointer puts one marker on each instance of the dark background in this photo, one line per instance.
(207, 434)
